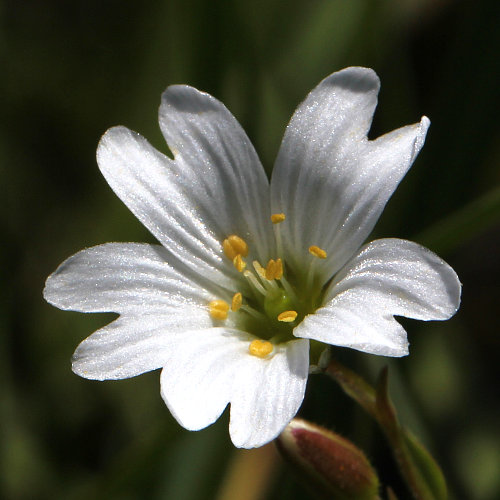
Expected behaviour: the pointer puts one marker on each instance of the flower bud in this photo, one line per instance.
(330, 464)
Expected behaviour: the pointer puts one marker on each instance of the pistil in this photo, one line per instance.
(255, 282)
(275, 304)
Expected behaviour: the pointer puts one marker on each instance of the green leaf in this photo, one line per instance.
(428, 468)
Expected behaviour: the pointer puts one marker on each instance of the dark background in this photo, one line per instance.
(72, 69)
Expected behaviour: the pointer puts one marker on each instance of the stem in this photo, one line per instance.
(388, 422)
(376, 403)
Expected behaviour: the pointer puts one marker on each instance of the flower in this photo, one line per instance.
(249, 273)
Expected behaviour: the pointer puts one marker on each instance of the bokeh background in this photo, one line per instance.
(72, 69)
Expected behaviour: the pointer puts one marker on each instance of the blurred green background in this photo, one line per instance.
(72, 69)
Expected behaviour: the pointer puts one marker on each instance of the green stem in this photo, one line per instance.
(417, 467)
(395, 434)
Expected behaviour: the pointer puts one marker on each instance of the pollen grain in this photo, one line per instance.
(236, 302)
(239, 263)
(277, 218)
(218, 309)
(234, 245)
(317, 252)
(274, 269)
(260, 348)
(287, 316)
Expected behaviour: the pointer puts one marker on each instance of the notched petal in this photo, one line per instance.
(333, 182)
(122, 277)
(387, 278)
(130, 346)
(267, 394)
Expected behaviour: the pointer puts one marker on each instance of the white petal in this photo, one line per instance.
(130, 346)
(196, 382)
(122, 278)
(329, 179)
(219, 164)
(206, 373)
(215, 186)
(268, 394)
(388, 277)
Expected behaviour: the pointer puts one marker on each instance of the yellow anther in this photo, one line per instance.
(287, 316)
(239, 263)
(236, 302)
(274, 269)
(279, 269)
(260, 348)
(218, 309)
(317, 252)
(270, 269)
(233, 246)
(277, 218)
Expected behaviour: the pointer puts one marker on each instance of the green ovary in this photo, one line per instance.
(276, 302)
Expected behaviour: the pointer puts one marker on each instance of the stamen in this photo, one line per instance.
(254, 281)
(270, 269)
(260, 348)
(287, 316)
(236, 302)
(234, 245)
(274, 269)
(261, 272)
(279, 269)
(277, 218)
(218, 309)
(253, 312)
(317, 252)
(239, 263)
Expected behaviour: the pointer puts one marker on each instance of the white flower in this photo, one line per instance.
(249, 272)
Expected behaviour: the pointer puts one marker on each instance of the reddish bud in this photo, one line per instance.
(330, 464)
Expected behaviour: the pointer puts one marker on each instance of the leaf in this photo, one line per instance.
(429, 469)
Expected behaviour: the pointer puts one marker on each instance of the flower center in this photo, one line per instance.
(273, 303)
